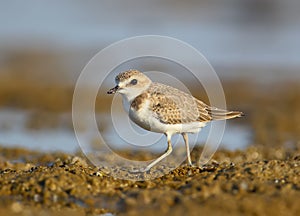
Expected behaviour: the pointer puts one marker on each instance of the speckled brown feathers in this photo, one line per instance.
(172, 106)
(137, 103)
(126, 75)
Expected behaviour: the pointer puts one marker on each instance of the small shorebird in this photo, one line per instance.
(163, 109)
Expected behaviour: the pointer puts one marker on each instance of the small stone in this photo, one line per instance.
(52, 186)
(79, 161)
(36, 197)
(55, 198)
(244, 186)
(17, 207)
(99, 174)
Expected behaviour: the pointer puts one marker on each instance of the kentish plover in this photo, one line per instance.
(163, 109)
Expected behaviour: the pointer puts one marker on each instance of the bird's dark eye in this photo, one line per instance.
(133, 82)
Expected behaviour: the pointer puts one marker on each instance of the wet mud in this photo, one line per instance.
(251, 182)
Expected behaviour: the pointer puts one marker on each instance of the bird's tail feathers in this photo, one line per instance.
(220, 114)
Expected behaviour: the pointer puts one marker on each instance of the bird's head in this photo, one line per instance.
(130, 84)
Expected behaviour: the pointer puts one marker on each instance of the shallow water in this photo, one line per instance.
(14, 132)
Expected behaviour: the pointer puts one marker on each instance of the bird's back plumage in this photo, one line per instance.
(173, 106)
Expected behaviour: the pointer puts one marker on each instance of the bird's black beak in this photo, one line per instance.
(113, 90)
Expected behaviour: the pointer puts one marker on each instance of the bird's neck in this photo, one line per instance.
(130, 96)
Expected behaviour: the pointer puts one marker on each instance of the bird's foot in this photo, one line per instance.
(139, 170)
(209, 166)
(190, 164)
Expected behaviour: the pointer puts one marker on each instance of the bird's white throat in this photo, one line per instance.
(131, 93)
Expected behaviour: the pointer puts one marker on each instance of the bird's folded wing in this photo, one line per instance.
(172, 106)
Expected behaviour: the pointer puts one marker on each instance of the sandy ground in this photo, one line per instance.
(252, 182)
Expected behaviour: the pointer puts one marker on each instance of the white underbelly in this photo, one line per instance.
(145, 119)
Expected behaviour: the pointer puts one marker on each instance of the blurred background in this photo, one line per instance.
(252, 45)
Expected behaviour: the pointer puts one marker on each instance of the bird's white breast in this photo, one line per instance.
(142, 116)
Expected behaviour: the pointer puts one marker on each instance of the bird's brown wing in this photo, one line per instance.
(172, 106)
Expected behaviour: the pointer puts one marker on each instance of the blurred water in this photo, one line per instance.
(40, 140)
(13, 133)
(256, 34)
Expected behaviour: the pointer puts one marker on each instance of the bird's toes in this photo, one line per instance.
(139, 170)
